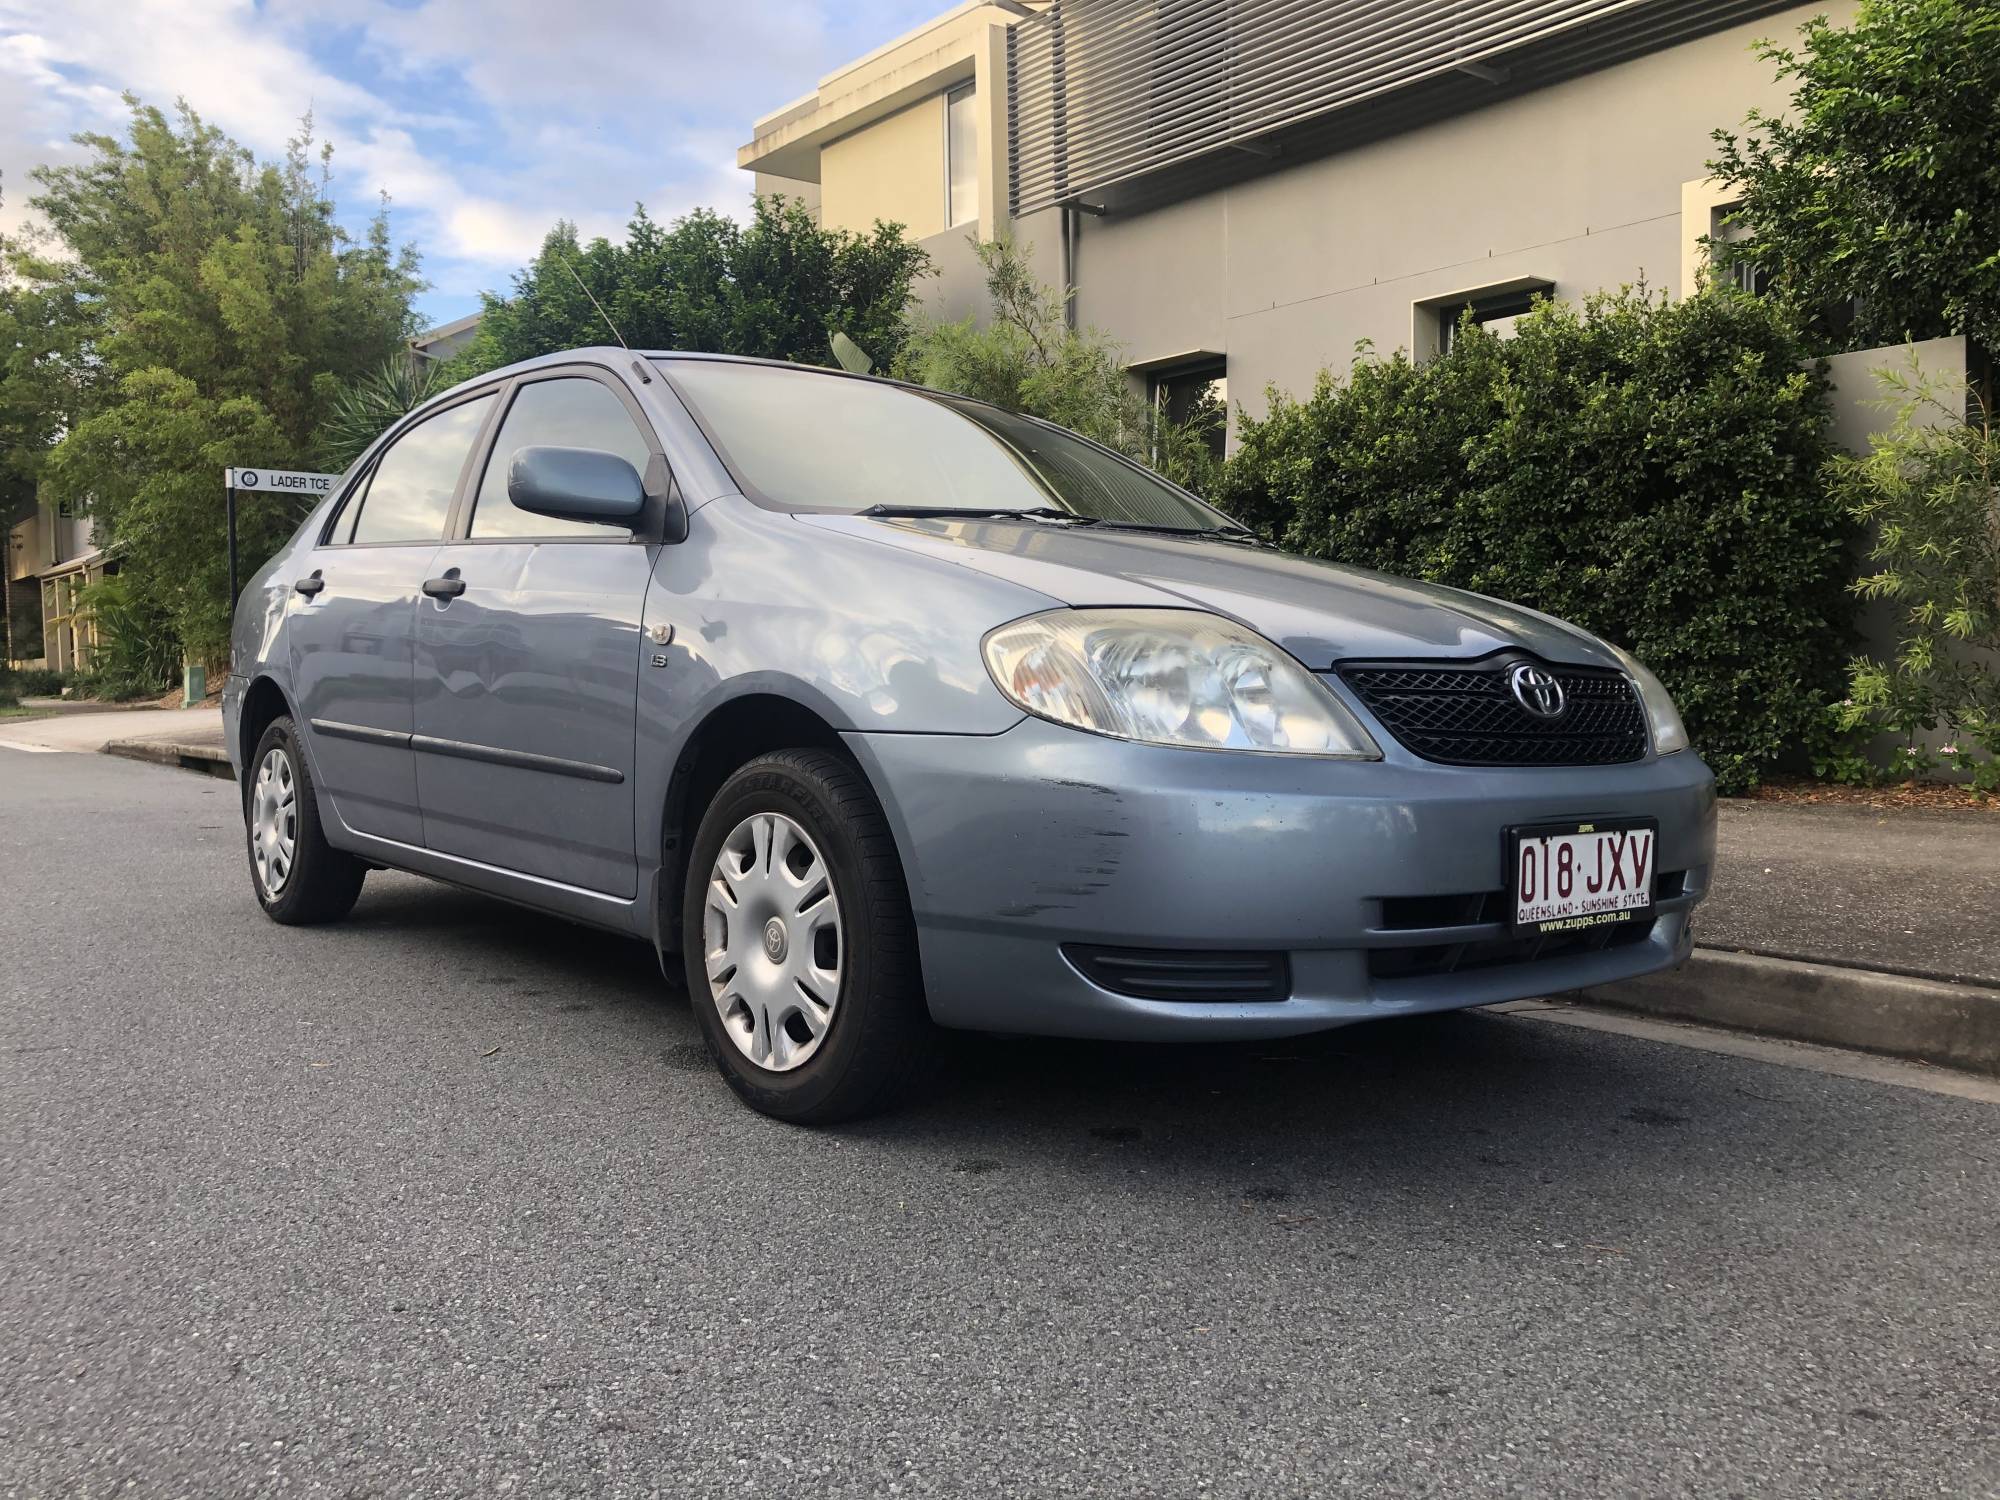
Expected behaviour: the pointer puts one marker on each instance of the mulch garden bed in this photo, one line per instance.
(1924, 796)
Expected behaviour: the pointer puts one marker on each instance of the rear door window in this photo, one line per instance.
(409, 495)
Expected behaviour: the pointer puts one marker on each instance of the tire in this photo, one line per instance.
(317, 883)
(873, 1030)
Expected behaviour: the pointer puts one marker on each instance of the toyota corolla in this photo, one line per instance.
(877, 710)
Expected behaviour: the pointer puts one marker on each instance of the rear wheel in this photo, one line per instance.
(299, 877)
(801, 952)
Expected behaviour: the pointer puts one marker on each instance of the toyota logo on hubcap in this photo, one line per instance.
(1537, 692)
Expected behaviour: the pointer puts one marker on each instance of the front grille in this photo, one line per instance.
(1182, 974)
(1457, 911)
(1408, 913)
(1467, 715)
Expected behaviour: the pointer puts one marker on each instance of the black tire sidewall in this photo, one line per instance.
(302, 896)
(779, 784)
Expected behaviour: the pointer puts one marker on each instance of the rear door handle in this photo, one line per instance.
(447, 587)
(310, 585)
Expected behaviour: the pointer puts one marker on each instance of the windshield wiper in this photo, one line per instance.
(984, 513)
(1224, 533)
(1054, 513)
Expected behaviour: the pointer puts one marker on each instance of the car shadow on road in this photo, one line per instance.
(1493, 1103)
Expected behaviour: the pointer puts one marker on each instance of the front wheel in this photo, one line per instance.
(299, 877)
(801, 952)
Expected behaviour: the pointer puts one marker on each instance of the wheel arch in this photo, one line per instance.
(730, 735)
(263, 701)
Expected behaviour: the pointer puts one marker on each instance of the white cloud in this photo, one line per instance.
(484, 120)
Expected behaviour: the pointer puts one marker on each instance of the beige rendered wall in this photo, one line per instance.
(807, 193)
(892, 170)
(43, 539)
(1579, 183)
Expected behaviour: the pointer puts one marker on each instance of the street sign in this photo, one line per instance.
(292, 483)
(283, 481)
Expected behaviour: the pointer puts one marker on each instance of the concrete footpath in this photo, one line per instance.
(1873, 930)
(187, 737)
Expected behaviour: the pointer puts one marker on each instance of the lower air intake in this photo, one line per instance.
(1183, 974)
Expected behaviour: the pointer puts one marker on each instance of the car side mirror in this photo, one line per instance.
(575, 484)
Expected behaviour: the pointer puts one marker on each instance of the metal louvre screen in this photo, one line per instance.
(1101, 91)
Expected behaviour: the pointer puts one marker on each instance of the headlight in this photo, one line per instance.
(1669, 733)
(1170, 677)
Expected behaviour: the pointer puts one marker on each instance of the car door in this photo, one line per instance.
(350, 640)
(527, 671)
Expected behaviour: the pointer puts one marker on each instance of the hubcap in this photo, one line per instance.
(772, 942)
(274, 822)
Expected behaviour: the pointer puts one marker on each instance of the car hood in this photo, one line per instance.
(1320, 612)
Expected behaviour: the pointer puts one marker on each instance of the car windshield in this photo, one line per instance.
(802, 440)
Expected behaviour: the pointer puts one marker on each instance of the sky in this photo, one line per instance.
(484, 121)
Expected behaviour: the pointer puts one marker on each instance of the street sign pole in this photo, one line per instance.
(231, 492)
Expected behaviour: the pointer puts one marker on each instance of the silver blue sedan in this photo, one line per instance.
(878, 710)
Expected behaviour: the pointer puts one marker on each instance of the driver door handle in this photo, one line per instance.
(448, 587)
(309, 585)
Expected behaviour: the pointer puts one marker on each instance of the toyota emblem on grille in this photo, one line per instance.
(1537, 692)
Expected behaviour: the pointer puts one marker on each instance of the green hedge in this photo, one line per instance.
(1649, 470)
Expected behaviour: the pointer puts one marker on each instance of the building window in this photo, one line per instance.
(1725, 232)
(961, 156)
(1494, 308)
(1195, 393)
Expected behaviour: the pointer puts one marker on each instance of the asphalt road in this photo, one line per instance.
(445, 1202)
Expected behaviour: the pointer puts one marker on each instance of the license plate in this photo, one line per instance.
(1567, 876)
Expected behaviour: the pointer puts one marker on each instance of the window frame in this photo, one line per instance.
(1434, 320)
(355, 493)
(969, 88)
(1161, 380)
(656, 477)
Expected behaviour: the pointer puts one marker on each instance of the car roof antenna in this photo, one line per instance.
(594, 302)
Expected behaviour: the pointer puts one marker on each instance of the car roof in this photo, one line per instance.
(618, 357)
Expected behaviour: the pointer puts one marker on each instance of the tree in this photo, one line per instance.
(40, 391)
(209, 309)
(1880, 188)
(1027, 358)
(779, 287)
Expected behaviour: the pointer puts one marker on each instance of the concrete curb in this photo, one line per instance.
(205, 758)
(1864, 1010)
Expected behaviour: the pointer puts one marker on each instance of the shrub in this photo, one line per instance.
(40, 682)
(1929, 491)
(137, 653)
(1649, 470)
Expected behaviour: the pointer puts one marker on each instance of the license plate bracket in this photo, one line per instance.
(1609, 874)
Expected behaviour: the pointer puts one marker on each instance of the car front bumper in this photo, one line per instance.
(232, 720)
(1017, 845)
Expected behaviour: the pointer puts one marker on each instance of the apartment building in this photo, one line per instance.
(1248, 191)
